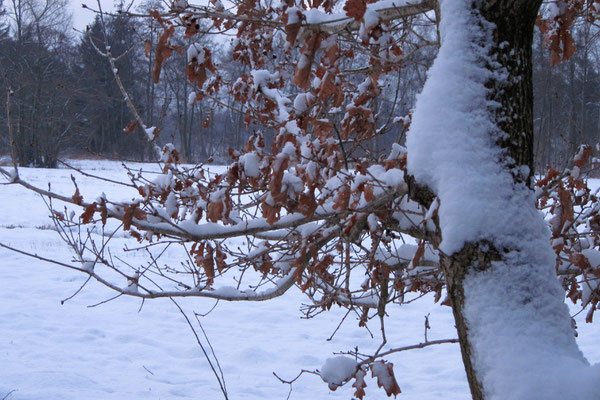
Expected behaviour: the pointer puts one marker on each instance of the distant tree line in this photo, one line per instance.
(567, 99)
(64, 100)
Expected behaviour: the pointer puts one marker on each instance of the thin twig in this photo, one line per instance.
(406, 348)
(105, 301)
(212, 350)
(290, 382)
(212, 367)
(77, 291)
(8, 394)
(339, 325)
(143, 366)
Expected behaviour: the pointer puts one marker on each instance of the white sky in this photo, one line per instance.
(82, 16)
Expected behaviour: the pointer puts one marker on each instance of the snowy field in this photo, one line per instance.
(118, 350)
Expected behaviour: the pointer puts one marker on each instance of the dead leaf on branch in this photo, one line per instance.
(359, 384)
(550, 176)
(192, 25)
(197, 67)
(88, 214)
(583, 156)
(136, 235)
(276, 182)
(58, 215)
(131, 127)
(559, 40)
(590, 315)
(214, 213)
(307, 204)
(156, 15)
(356, 9)
(270, 213)
(292, 29)
(342, 200)
(580, 261)
(331, 53)
(304, 67)
(384, 371)
(220, 258)
(208, 264)
(132, 211)
(418, 257)
(77, 198)
(163, 51)
(329, 88)
(368, 192)
(322, 128)
(358, 123)
(103, 212)
(566, 203)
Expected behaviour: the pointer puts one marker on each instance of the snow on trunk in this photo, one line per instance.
(519, 328)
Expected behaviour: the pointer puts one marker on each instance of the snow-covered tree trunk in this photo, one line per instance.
(471, 145)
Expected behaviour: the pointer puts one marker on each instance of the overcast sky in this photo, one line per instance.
(82, 16)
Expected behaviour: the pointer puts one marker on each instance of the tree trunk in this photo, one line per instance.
(514, 23)
(471, 144)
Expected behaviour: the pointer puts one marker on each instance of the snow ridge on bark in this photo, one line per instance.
(519, 327)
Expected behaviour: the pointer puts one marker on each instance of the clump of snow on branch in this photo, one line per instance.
(338, 370)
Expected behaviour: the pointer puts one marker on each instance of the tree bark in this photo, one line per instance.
(515, 266)
(514, 22)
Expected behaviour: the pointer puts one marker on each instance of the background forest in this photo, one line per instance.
(64, 101)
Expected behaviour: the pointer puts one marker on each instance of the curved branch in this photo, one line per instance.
(226, 294)
(211, 231)
(403, 10)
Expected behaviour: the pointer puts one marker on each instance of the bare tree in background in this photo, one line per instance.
(36, 69)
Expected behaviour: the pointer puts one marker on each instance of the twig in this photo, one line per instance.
(25, 253)
(293, 380)
(406, 348)
(115, 71)
(341, 144)
(339, 325)
(8, 394)
(80, 171)
(11, 138)
(212, 367)
(143, 366)
(141, 305)
(209, 311)
(77, 291)
(212, 350)
(106, 301)
(289, 382)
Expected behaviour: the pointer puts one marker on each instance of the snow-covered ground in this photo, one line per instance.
(118, 351)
